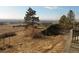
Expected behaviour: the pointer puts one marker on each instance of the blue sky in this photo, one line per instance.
(44, 12)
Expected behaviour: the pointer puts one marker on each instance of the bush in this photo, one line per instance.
(54, 29)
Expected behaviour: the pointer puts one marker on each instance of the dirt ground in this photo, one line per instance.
(23, 41)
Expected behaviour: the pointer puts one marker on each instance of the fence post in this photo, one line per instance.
(68, 41)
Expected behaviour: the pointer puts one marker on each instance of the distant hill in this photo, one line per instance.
(11, 21)
(21, 21)
(49, 21)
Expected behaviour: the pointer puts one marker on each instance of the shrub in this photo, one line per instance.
(51, 30)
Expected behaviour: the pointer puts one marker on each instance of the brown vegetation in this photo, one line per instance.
(33, 42)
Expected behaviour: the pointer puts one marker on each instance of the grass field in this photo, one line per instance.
(23, 41)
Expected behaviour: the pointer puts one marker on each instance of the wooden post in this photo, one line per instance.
(68, 42)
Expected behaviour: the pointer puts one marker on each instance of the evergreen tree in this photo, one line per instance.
(65, 23)
(30, 18)
(71, 17)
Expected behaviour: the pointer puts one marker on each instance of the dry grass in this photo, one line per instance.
(24, 42)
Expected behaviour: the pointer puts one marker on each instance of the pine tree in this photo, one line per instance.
(65, 23)
(30, 18)
(71, 17)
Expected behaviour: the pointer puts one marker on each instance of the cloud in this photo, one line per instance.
(51, 7)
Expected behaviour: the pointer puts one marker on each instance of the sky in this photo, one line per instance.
(44, 12)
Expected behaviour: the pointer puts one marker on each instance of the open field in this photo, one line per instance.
(23, 41)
